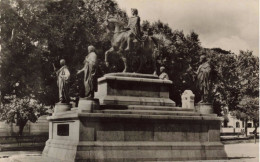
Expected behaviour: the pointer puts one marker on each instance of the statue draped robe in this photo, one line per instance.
(89, 74)
(203, 77)
(63, 81)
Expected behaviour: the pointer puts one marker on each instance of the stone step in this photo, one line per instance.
(160, 108)
(152, 112)
(144, 107)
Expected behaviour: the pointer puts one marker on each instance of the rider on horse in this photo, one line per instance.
(134, 27)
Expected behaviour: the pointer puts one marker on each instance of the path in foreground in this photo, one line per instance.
(244, 152)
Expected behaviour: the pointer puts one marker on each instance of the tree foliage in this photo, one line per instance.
(35, 35)
(20, 111)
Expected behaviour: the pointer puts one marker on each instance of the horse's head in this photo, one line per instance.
(113, 24)
(108, 26)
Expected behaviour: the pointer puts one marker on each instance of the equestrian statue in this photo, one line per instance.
(127, 41)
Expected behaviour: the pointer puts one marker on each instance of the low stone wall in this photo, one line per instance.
(41, 127)
(236, 131)
(23, 139)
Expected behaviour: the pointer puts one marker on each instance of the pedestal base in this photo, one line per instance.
(133, 89)
(131, 136)
(61, 107)
(204, 108)
(88, 105)
(136, 121)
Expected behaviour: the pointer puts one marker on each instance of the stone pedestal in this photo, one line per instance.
(133, 89)
(134, 136)
(61, 107)
(129, 127)
(187, 99)
(88, 105)
(204, 108)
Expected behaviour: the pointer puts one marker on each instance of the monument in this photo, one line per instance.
(132, 118)
(204, 85)
(125, 38)
(90, 64)
(63, 76)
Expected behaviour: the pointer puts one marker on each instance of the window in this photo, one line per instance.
(249, 125)
(237, 125)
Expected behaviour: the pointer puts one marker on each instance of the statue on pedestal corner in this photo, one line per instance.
(163, 75)
(204, 79)
(63, 76)
(89, 69)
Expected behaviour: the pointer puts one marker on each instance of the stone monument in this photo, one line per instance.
(127, 41)
(135, 121)
(63, 76)
(204, 85)
(88, 103)
(132, 119)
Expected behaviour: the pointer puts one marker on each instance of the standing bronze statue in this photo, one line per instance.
(204, 79)
(89, 69)
(63, 75)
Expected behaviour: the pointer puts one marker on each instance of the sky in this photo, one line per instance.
(228, 24)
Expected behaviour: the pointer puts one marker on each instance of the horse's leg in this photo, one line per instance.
(125, 64)
(123, 56)
(154, 63)
(106, 55)
(141, 58)
(154, 66)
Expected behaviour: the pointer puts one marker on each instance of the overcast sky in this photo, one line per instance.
(228, 24)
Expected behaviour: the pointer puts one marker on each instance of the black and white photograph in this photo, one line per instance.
(129, 80)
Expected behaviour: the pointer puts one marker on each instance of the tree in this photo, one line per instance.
(21, 59)
(20, 111)
(248, 109)
(179, 54)
(226, 88)
(248, 72)
(37, 34)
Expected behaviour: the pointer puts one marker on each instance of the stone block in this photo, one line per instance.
(167, 132)
(61, 107)
(127, 89)
(138, 132)
(188, 99)
(204, 108)
(88, 105)
(135, 122)
(110, 132)
(87, 131)
(203, 134)
(73, 130)
(214, 132)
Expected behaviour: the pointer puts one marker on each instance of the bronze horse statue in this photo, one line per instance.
(146, 48)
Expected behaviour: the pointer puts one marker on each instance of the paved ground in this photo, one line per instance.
(242, 152)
